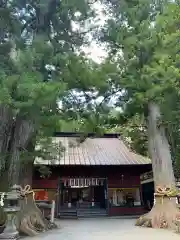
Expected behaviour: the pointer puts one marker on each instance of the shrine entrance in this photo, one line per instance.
(147, 188)
(83, 193)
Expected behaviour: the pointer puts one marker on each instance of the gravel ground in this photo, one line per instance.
(105, 229)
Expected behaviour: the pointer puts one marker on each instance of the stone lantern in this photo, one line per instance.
(11, 208)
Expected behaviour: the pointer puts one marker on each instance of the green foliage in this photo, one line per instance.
(143, 41)
(134, 133)
(41, 66)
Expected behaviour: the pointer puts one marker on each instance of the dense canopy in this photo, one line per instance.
(47, 82)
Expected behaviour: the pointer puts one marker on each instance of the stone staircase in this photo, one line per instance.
(68, 213)
(91, 212)
(82, 213)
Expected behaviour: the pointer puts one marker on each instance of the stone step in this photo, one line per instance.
(67, 214)
(67, 217)
(92, 209)
(91, 215)
(91, 212)
(68, 211)
(82, 212)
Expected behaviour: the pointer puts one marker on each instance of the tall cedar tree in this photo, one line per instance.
(143, 41)
(38, 67)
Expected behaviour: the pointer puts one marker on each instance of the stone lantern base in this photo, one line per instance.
(10, 231)
(9, 235)
(10, 203)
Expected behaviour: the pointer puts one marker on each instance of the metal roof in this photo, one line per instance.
(93, 151)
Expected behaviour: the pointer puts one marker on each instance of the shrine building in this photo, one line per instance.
(97, 176)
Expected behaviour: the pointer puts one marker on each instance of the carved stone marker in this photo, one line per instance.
(11, 207)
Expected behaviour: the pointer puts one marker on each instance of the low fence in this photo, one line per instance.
(47, 208)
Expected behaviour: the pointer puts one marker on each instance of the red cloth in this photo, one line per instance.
(41, 195)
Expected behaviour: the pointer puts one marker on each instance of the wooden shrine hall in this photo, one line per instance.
(98, 175)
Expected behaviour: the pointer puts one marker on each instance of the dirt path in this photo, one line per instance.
(105, 229)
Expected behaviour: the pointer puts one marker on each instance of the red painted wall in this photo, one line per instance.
(126, 181)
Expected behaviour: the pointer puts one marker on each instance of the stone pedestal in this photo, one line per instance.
(9, 236)
(10, 231)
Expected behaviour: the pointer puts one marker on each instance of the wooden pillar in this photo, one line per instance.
(107, 200)
(141, 195)
(52, 211)
(138, 196)
(60, 192)
(92, 196)
(58, 202)
(69, 197)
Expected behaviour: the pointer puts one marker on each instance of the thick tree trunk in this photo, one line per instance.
(165, 212)
(6, 129)
(26, 171)
(159, 150)
(6, 124)
(30, 219)
(15, 137)
(23, 132)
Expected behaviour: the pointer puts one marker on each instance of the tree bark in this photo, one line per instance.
(16, 134)
(27, 166)
(159, 150)
(6, 129)
(30, 220)
(165, 212)
(23, 132)
(26, 173)
(6, 124)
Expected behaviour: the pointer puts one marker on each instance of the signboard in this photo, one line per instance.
(82, 182)
(146, 177)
